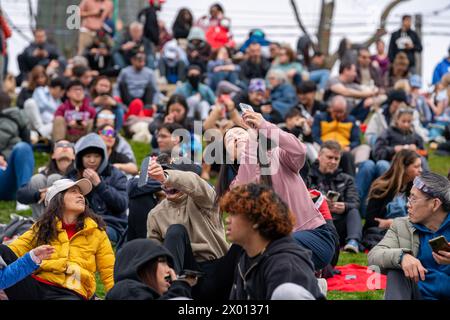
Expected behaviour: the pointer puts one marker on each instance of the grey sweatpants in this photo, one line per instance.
(398, 287)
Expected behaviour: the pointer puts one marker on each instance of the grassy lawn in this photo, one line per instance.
(438, 164)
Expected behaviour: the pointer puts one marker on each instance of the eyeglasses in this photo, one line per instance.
(106, 116)
(413, 199)
(63, 145)
(108, 132)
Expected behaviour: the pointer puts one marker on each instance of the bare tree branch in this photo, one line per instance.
(325, 25)
(381, 31)
(299, 20)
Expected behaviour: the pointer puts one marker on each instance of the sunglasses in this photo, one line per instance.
(108, 132)
(106, 116)
(63, 145)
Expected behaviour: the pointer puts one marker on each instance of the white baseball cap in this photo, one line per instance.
(63, 184)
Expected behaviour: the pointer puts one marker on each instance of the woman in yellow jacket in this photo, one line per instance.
(81, 248)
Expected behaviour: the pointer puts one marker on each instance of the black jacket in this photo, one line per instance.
(283, 261)
(109, 198)
(251, 70)
(386, 142)
(338, 181)
(129, 286)
(151, 28)
(393, 48)
(180, 30)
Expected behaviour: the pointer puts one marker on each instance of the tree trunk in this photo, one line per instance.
(325, 26)
(418, 28)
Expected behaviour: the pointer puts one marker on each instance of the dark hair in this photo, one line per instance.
(79, 70)
(94, 93)
(34, 74)
(52, 166)
(171, 127)
(229, 171)
(306, 87)
(331, 145)
(342, 48)
(218, 6)
(391, 182)
(180, 17)
(289, 52)
(262, 207)
(5, 100)
(74, 83)
(293, 112)
(95, 127)
(147, 273)
(406, 16)
(363, 49)
(57, 82)
(45, 227)
(346, 65)
(177, 98)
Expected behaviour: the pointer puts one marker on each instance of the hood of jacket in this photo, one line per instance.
(91, 140)
(134, 255)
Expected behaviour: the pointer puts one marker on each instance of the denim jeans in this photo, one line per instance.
(367, 173)
(322, 243)
(320, 77)
(18, 172)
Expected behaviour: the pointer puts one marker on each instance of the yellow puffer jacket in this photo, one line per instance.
(75, 261)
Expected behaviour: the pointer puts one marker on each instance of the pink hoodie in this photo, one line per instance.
(286, 160)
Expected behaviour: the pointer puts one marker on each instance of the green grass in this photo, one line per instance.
(437, 164)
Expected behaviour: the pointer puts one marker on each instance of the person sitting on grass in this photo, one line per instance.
(414, 270)
(81, 248)
(143, 271)
(260, 222)
(24, 266)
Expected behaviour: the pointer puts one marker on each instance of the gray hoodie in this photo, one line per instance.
(89, 141)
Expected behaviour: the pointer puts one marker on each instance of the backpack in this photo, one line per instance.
(16, 227)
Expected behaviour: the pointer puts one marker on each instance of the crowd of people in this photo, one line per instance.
(318, 164)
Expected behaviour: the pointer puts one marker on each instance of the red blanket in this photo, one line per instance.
(356, 278)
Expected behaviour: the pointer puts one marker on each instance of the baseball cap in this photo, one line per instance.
(397, 95)
(415, 81)
(257, 85)
(63, 184)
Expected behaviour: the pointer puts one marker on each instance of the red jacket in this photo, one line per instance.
(6, 33)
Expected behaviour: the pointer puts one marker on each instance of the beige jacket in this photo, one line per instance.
(401, 237)
(197, 212)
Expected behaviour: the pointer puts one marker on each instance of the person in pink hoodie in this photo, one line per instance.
(278, 166)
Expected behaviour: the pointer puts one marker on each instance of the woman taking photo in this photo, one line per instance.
(387, 196)
(143, 271)
(80, 241)
(260, 222)
(277, 167)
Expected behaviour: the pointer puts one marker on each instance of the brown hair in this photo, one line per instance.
(45, 227)
(147, 273)
(392, 181)
(331, 145)
(262, 207)
(289, 52)
(34, 74)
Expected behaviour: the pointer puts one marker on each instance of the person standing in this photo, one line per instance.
(5, 33)
(405, 39)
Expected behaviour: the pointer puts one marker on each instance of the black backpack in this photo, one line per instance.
(16, 227)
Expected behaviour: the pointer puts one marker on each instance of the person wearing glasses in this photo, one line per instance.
(116, 158)
(414, 270)
(33, 193)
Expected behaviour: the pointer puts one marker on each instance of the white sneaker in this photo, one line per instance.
(21, 206)
(323, 286)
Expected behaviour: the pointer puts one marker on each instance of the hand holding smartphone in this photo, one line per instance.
(439, 244)
(333, 196)
(246, 107)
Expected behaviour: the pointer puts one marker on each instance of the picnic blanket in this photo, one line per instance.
(356, 278)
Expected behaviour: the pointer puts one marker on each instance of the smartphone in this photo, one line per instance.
(439, 244)
(333, 196)
(190, 273)
(143, 177)
(246, 107)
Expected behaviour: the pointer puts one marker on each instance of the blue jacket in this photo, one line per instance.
(187, 91)
(283, 98)
(109, 198)
(442, 68)
(437, 280)
(16, 271)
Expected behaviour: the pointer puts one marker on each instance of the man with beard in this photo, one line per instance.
(199, 96)
(33, 193)
(254, 66)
